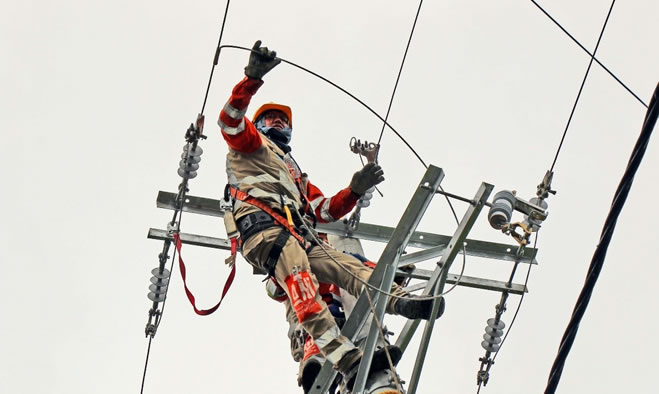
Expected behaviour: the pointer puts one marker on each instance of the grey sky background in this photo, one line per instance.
(96, 97)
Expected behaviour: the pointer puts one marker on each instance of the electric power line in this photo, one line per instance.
(588, 52)
(216, 57)
(597, 261)
(371, 110)
(182, 190)
(574, 107)
(400, 71)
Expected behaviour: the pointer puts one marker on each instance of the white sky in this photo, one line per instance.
(96, 97)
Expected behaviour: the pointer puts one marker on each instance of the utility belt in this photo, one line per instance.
(256, 222)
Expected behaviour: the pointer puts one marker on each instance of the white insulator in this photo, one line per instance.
(197, 151)
(189, 164)
(493, 334)
(159, 283)
(364, 201)
(501, 211)
(186, 174)
(194, 159)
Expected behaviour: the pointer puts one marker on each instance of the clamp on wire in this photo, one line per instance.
(369, 150)
(501, 212)
(523, 238)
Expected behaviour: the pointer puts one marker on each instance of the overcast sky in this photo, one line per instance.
(96, 97)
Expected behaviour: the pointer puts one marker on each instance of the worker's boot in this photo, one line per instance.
(310, 365)
(414, 307)
(309, 370)
(379, 363)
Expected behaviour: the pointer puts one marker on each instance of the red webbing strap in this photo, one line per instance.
(227, 284)
(246, 198)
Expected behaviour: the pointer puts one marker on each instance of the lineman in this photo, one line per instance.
(270, 194)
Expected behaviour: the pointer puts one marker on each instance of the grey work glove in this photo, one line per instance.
(370, 175)
(261, 60)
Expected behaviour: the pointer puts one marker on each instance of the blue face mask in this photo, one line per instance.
(279, 137)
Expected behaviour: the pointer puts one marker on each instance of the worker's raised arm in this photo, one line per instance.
(332, 208)
(337, 206)
(239, 133)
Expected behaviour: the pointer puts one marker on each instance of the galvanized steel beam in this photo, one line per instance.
(399, 240)
(435, 243)
(191, 239)
(436, 284)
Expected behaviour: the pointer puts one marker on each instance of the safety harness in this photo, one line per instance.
(256, 222)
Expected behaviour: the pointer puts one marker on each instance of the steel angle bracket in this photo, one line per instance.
(435, 285)
(433, 243)
(464, 280)
(191, 239)
(399, 239)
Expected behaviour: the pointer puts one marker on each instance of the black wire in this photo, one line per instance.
(574, 107)
(171, 266)
(215, 58)
(344, 91)
(400, 71)
(146, 364)
(597, 261)
(591, 55)
(180, 213)
(521, 298)
(519, 305)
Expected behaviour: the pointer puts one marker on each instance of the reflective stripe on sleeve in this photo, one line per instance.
(234, 112)
(232, 130)
(316, 202)
(324, 211)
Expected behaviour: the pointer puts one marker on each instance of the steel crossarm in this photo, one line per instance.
(464, 280)
(434, 243)
(399, 239)
(436, 284)
(191, 239)
(418, 273)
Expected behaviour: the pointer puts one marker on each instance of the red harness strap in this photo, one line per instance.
(246, 198)
(227, 284)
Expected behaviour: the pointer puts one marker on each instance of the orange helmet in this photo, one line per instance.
(274, 106)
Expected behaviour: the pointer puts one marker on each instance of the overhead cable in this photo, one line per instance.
(400, 71)
(591, 55)
(371, 110)
(216, 57)
(597, 261)
(574, 107)
(193, 134)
